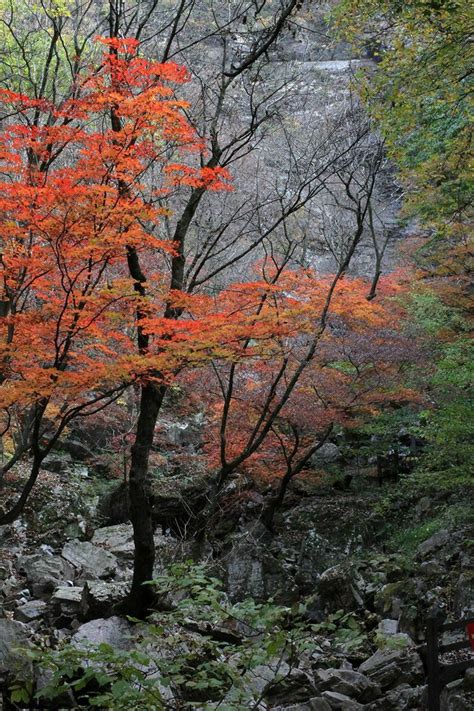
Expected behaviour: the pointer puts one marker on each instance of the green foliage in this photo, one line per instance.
(420, 96)
(345, 630)
(449, 425)
(41, 44)
(203, 650)
(391, 642)
(400, 534)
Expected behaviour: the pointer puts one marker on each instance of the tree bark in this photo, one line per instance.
(141, 595)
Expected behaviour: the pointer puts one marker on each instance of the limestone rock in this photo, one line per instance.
(94, 562)
(31, 610)
(65, 604)
(44, 572)
(401, 698)
(319, 704)
(348, 682)
(432, 544)
(469, 679)
(57, 463)
(389, 668)
(314, 704)
(99, 598)
(264, 675)
(340, 589)
(117, 539)
(329, 453)
(388, 627)
(114, 631)
(13, 637)
(341, 701)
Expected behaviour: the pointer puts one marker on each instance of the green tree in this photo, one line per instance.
(419, 92)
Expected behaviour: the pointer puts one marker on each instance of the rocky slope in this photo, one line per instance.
(363, 610)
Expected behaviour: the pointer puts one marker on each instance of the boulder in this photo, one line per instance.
(57, 463)
(329, 453)
(93, 562)
(389, 668)
(117, 539)
(432, 568)
(348, 682)
(389, 599)
(340, 701)
(114, 631)
(31, 610)
(44, 572)
(388, 627)
(279, 683)
(100, 598)
(401, 698)
(253, 570)
(319, 704)
(431, 545)
(66, 604)
(464, 594)
(78, 450)
(340, 589)
(316, 555)
(454, 697)
(13, 637)
(264, 675)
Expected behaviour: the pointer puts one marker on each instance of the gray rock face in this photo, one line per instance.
(280, 684)
(348, 682)
(401, 698)
(469, 679)
(265, 674)
(388, 627)
(44, 572)
(99, 598)
(253, 571)
(31, 610)
(117, 539)
(316, 555)
(464, 594)
(339, 589)
(432, 544)
(66, 604)
(57, 463)
(341, 701)
(14, 636)
(319, 704)
(391, 668)
(94, 562)
(329, 453)
(114, 631)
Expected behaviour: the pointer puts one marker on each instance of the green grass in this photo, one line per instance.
(407, 539)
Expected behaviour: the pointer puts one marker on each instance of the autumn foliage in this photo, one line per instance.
(90, 305)
(76, 198)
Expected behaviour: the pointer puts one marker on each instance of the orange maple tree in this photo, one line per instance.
(92, 296)
(274, 409)
(80, 203)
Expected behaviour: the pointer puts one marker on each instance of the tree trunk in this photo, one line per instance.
(141, 595)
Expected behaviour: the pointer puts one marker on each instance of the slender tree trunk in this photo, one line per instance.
(18, 508)
(141, 505)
